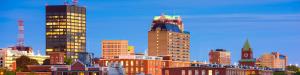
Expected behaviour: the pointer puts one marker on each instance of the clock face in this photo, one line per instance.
(246, 55)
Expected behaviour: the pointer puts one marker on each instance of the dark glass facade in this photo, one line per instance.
(66, 29)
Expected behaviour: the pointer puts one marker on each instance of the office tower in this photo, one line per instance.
(247, 55)
(219, 56)
(167, 37)
(113, 48)
(273, 60)
(66, 29)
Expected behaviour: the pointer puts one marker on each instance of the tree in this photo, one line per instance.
(279, 73)
(10, 73)
(23, 61)
(46, 62)
(292, 68)
(297, 73)
(68, 61)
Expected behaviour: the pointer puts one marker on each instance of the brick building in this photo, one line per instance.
(141, 64)
(77, 68)
(247, 55)
(113, 48)
(219, 56)
(273, 60)
(56, 57)
(215, 70)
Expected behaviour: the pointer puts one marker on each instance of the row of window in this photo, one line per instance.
(83, 24)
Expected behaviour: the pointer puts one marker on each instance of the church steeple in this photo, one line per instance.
(247, 46)
(247, 55)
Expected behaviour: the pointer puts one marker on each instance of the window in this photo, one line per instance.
(196, 72)
(203, 72)
(190, 72)
(182, 72)
(217, 72)
(122, 63)
(209, 72)
(167, 72)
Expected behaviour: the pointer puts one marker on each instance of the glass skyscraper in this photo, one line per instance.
(66, 29)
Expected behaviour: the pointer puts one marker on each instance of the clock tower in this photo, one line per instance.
(247, 55)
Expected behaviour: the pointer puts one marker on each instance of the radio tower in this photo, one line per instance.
(20, 33)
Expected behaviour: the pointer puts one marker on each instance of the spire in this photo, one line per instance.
(246, 45)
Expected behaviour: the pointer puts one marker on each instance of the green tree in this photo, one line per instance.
(279, 73)
(23, 61)
(31, 73)
(297, 73)
(292, 68)
(10, 73)
(68, 61)
(46, 62)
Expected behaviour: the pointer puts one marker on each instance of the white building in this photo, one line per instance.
(8, 57)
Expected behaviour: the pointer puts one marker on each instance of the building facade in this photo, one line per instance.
(247, 55)
(206, 70)
(219, 56)
(273, 60)
(76, 68)
(8, 57)
(142, 64)
(167, 37)
(66, 29)
(136, 64)
(56, 58)
(113, 48)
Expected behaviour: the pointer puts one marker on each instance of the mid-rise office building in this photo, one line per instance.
(114, 48)
(273, 60)
(167, 37)
(219, 56)
(66, 29)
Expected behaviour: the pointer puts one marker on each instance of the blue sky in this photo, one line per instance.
(270, 25)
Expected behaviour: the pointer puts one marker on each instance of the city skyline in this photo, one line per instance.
(207, 27)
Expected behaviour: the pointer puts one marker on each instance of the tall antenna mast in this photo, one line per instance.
(20, 33)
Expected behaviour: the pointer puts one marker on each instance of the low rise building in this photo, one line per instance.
(56, 57)
(216, 70)
(113, 48)
(9, 55)
(142, 64)
(219, 56)
(273, 60)
(76, 68)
